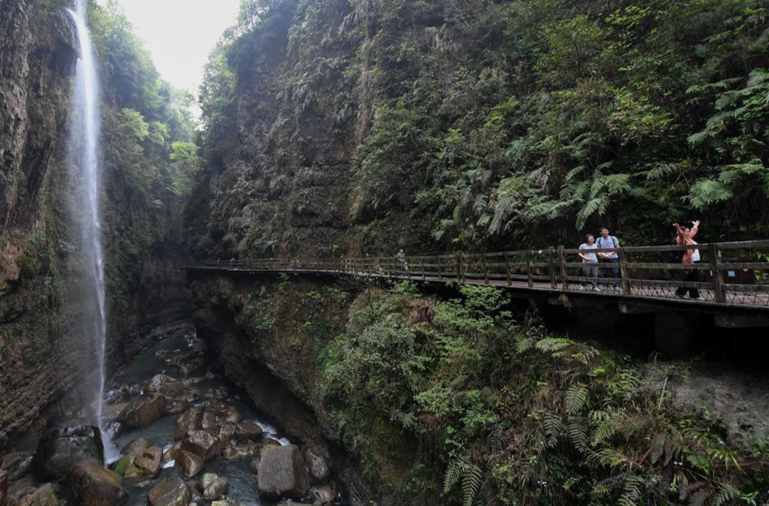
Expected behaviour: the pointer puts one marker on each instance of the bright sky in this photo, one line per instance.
(180, 34)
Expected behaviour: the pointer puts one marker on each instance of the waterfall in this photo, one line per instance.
(84, 157)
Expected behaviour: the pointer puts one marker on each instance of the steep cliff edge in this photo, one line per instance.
(41, 355)
(426, 400)
(355, 127)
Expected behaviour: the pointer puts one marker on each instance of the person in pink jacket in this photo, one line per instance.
(685, 236)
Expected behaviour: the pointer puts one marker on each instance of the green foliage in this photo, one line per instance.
(481, 123)
(518, 416)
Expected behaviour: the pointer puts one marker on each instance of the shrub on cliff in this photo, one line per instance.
(515, 415)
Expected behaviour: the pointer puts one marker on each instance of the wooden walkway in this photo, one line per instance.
(732, 275)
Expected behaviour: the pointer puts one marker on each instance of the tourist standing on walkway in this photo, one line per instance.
(589, 261)
(607, 241)
(401, 259)
(685, 237)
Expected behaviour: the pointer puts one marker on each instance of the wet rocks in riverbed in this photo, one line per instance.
(202, 444)
(282, 472)
(188, 422)
(140, 460)
(171, 453)
(43, 496)
(317, 467)
(113, 430)
(170, 492)
(212, 486)
(241, 450)
(322, 494)
(92, 485)
(60, 450)
(189, 463)
(142, 412)
(149, 463)
(136, 447)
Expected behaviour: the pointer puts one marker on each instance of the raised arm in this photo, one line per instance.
(679, 233)
(695, 229)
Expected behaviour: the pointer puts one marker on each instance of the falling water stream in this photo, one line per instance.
(84, 155)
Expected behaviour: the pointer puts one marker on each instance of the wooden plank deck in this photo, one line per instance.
(553, 272)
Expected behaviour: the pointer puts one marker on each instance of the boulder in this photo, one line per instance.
(170, 492)
(60, 450)
(113, 430)
(142, 412)
(177, 407)
(226, 432)
(189, 463)
(208, 422)
(171, 453)
(3, 488)
(136, 447)
(157, 381)
(43, 496)
(149, 463)
(16, 465)
(317, 467)
(187, 422)
(322, 494)
(282, 472)
(92, 485)
(247, 431)
(212, 486)
(202, 444)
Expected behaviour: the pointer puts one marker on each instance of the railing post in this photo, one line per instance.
(422, 264)
(507, 269)
(459, 267)
(624, 271)
(529, 273)
(440, 270)
(564, 272)
(718, 275)
(485, 270)
(553, 275)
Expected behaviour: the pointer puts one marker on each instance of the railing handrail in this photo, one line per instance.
(556, 265)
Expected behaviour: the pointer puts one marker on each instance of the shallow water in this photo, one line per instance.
(243, 485)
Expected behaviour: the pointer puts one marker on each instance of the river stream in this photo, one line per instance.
(154, 361)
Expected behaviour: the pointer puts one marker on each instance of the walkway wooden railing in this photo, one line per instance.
(735, 273)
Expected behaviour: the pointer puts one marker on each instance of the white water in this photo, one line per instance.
(84, 156)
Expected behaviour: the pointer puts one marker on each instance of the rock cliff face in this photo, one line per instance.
(266, 335)
(41, 359)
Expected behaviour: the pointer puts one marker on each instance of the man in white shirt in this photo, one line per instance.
(589, 261)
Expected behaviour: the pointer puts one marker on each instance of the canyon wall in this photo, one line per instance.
(448, 397)
(41, 353)
(352, 127)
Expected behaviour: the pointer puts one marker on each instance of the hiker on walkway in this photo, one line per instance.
(685, 237)
(403, 266)
(607, 241)
(589, 261)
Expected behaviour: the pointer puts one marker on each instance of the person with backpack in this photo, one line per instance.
(685, 236)
(607, 241)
